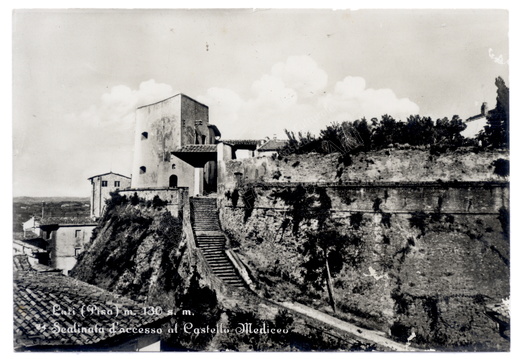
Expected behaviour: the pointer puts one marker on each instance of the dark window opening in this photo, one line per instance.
(117, 183)
(142, 169)
(144, 135)
(104, 183)
(173, 181)
(173, 166)
(203, 139)
(77, 233)
(77, 252)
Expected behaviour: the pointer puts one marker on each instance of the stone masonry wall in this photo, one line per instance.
(443, 274)
(429, 235)
(391, 165)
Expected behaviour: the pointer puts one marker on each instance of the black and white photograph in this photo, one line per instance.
(260, 180)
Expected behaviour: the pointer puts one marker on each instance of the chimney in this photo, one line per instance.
(484, 109)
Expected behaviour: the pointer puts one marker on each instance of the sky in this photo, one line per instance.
(79, 75)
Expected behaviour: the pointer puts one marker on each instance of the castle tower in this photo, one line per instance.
(165, 127)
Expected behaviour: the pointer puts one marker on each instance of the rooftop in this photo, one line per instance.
(196, 148)
(67, 220)
(108, 173)
(21, 263)
(273, 145)
(168, 98)
(242, 142)
(475, 118)
(36, 294)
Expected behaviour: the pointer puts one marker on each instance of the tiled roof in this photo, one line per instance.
(67, 220)
(272, 145)
(197, 148)
(36, 294)
(21, 263)
(242, 142)
(36, 244)
(475, 118)
(109, 173)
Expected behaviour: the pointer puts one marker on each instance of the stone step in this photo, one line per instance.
(215, 261)
(220, 265)
(208, 241)
(211, 240)
(207, 248)
(211, 243)
(227, 271)
(208, 252)
(214, 257)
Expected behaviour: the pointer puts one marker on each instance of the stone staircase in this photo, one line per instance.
(211, 240)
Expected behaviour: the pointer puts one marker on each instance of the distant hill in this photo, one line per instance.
(27, 199)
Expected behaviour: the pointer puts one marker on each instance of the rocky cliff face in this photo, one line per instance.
(137, 252)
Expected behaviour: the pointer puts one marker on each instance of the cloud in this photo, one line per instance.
(272, 91)
(351, 100)
(79, 145)
(302, 74)
(293, 96)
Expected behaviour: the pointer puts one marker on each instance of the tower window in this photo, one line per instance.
(142, 169)
(144, 135)
(104, 183)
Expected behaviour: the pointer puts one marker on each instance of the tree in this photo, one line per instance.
(419, 131)
(496, 132)
(448, 131)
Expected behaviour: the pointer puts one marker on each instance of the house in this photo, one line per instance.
(270, 147)
(53, 312)
(31, 228)
(476, 123)
(66, 238)
(102, 185)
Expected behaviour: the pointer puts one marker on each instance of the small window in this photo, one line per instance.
(117, 183)
(77, 251)
(142, 169)
(77, 233)
(173, 166)
(144, 135)
(104, 183)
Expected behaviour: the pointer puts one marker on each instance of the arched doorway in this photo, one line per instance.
(173, 181)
